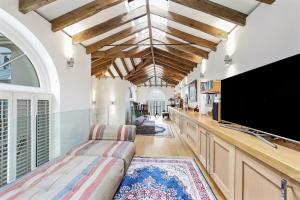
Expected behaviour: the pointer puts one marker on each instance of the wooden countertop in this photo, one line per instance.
(284, 160)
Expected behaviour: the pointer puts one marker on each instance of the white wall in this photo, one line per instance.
(106, 91)
(272, 33)
(148, 93)
(71, 88)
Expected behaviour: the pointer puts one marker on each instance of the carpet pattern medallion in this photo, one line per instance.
(164, 179)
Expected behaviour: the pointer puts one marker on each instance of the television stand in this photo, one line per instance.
(255, 133)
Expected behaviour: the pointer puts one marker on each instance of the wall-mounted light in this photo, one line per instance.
(201, 75)
(94, 103)
(227, 60)
(70, 62)
(112, 103)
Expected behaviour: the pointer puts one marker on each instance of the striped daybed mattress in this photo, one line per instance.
(119, 149)
(94, 170)
(69, 177)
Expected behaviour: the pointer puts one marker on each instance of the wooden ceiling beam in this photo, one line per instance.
(132, 63)
(216, 10)
(109, 25)
(206, 28)
(100, 62)
(111, 74)
(125, 65)
(179, 62)
(173, 65)
(181, 54)
(116, 37)
(82, 13)
(125, 45)
(185, 36)
(175, 58)
(184, 47)
(171, 68)
(26, 6)
(142, 64)
(100, 68)
(117, 69)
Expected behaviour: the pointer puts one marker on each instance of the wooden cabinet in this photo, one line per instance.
(192, 136)
(255, 180)
(204, 147)
(293, 190)
(222, 165)
(237, 174)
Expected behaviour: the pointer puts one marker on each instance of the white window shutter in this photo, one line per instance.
(42, 132)
(3, 141)
(23, 149)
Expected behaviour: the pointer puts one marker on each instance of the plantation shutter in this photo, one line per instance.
(42, 132)
(3, 141)
(23, 151)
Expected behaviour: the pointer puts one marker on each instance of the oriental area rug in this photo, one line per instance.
(164, 179)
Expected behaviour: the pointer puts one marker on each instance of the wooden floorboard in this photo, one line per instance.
(155, 146)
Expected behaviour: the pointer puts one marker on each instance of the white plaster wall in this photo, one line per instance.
(148, 93)
(72, 89)
(272, 33)
(106, 91)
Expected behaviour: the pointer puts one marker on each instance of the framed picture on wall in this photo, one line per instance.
(193, 91)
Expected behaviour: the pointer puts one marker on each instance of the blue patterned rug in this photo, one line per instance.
(164, 178)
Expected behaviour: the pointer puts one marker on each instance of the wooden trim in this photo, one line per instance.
(82, 13)
(206, 28)
(216, 10)
(26, 6)
(185, 36)
(116, 37)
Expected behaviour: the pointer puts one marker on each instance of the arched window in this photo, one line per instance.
(24, 115)
(15, 67)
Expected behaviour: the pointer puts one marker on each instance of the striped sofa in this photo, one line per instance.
(94, 170)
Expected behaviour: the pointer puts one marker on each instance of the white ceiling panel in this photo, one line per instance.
(244, 6)
(60, 7)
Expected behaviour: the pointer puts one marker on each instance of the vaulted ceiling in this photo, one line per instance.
(147, 42)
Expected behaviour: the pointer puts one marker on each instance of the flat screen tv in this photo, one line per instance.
(265, 99)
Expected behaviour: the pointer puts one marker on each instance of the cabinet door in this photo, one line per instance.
(254, 180)
(193, 137)
(293, 191)
(203, 151)
(222, 164)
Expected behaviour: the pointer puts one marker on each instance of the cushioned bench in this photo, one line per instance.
(94, 170)
(69, 177)
(119, 149)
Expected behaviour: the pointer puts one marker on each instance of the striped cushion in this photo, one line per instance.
(69, 177)
(119, 149)
(109, 132)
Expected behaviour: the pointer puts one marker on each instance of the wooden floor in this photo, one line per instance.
(155, 146)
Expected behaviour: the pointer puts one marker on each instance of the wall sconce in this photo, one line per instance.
(227, 60)
(94, 103)
(112, 103)
(201, 75)
(70, 62)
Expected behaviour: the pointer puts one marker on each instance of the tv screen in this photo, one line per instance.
(265, 99)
